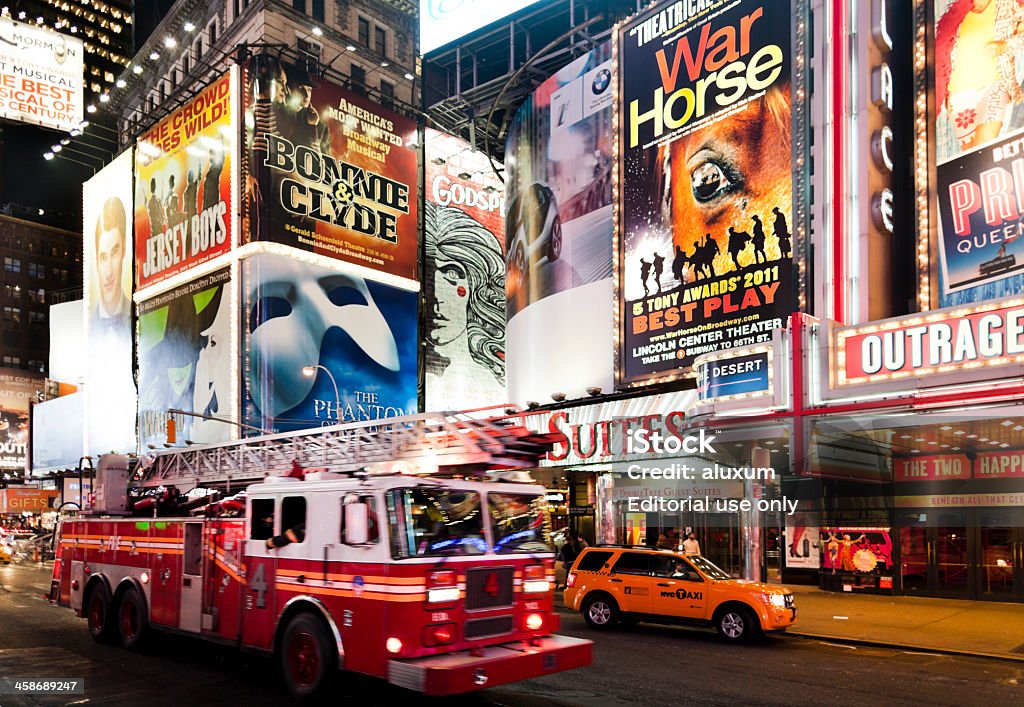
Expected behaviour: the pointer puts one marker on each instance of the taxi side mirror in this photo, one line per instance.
(357, 524)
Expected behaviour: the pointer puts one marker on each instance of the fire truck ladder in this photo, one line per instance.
(430, 442)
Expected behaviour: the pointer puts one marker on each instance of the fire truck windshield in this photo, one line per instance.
(430, 522)
(518, 522)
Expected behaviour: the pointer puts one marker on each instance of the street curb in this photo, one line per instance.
(1009, 657)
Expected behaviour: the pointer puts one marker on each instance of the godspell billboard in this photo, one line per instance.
(464, 278)
(186, 361)
(327, 171)
(979, 149)
(705, 199)
(183, 192)
(323, 346)
(558, 234)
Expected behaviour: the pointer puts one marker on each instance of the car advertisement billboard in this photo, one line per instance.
(978, 121)
(328, 171)
(322, 346)
(186, 362)
(464, 278)
(110, 394)
(183, 192)
(705, 204)
(41, 76)
(558, 234)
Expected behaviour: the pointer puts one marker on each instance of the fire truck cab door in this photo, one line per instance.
(192, 579)
(259, 609)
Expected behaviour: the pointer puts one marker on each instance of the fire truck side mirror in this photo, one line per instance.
(357, 530)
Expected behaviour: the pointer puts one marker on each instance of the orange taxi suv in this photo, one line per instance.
(610, 584)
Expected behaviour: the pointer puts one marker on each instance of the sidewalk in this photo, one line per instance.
(944, 625)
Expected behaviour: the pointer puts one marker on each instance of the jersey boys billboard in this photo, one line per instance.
(183, 201)
(328, 171)
(706, 189)
(41, 76)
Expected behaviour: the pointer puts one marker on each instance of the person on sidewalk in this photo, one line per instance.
(691, 546)
(572, 548)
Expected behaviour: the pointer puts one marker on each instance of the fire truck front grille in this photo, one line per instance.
(485, 628)
(489, 588)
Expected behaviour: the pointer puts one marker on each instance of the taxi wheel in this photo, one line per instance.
(736, 624)
(600, 611)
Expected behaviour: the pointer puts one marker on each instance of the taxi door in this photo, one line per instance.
(631, 583)
(679, 590)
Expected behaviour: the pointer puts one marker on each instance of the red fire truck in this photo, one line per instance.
(410, 549)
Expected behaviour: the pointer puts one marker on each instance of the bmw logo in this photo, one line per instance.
(601, 81)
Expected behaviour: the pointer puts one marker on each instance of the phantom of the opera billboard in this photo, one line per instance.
(186, 362)
(324, 346)
(705, 200)
(41, 75)
(979, 149)
(558, 234)
(327, 171)
(109, 389)
(464, 277)
(183, 191)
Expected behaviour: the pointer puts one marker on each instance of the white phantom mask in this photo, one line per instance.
(280, 346)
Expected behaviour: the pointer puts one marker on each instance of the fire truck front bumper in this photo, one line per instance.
(465, 671)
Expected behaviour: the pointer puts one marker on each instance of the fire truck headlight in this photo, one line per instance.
(393, 645)
(443, 596)
(144, 577)
(534, 622)
(536, 586)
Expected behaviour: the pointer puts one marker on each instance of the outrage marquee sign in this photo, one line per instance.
(705, 166)
(945, 341)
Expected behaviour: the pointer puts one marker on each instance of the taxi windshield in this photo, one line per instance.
(708, 567)
(430, 522)
(518, 522)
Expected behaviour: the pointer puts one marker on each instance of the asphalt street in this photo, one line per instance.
(644, 665)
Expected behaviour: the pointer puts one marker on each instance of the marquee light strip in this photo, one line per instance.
(921, 156)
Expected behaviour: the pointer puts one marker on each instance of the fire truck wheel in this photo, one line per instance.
(306, 656)
(132, 620)
(97, 613)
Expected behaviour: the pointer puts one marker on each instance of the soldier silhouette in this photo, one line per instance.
(758, 240)
(677, 264)
(782, 232)
(659, 267)
(645, 272)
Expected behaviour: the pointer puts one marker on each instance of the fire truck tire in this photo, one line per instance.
(98, 614)
(132, 620)
(307, 656)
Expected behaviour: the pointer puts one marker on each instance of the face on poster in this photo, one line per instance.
(183, 193)
(328, 171)
(464, 277)
(297, 315)
(110, 393)
(706, 197)
(185, 361)
(979, 117)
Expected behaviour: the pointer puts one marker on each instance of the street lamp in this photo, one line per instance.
(310, 371)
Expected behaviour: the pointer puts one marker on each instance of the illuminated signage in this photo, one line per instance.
(943, 467)
(945, 341)
(880, 118)
(444, 21)
(41, 76)
(734, 377)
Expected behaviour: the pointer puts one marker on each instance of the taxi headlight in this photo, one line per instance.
(776, 600)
